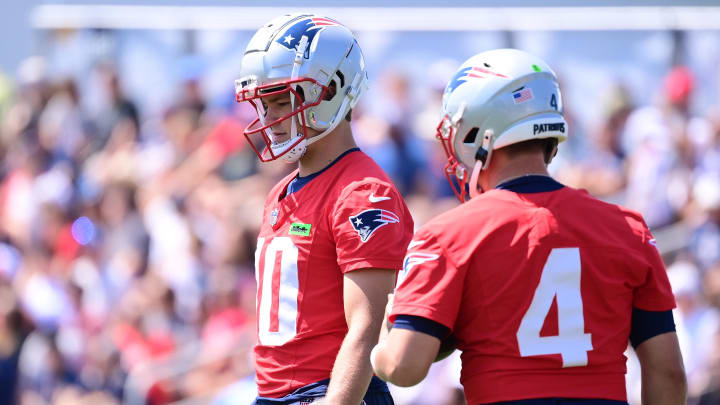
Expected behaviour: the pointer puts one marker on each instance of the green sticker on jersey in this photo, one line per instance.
(297, 228)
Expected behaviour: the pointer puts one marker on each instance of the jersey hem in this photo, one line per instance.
(485, 388)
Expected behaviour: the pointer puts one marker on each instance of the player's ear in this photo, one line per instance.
(551, 149)
(331, 91)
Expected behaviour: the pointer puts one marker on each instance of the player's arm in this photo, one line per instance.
(404, 355)
(653, 336)
(663, 374)
(365, 295)
(652, 333)
(426, 301)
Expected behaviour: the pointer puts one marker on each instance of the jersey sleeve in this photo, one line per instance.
(430, 284)
(371, 226)
(655, 294)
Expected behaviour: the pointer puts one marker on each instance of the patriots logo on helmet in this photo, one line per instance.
(309, 27)
(369, 221)
(471, 72)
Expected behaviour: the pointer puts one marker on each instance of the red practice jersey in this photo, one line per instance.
(349, 217)
(538, 290)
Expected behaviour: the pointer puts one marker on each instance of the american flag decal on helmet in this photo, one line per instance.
(522, 95)
(369, 221)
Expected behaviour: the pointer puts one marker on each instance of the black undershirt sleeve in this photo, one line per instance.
(420, 324)
(647, 324)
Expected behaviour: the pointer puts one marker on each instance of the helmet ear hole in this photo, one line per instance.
(301, 93)
(471, 136)
(331, 91)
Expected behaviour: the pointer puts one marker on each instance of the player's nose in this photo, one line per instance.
(272, 114)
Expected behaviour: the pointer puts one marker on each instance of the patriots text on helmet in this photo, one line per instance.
(554, 127)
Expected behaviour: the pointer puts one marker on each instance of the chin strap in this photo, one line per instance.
(349, 101)
(482, 161)
(299, 54)
(475, 189)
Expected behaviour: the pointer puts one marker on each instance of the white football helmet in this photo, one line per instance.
(496, 98)
(301, 55)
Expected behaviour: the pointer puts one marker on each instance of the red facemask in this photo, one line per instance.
(454, 171)
(259, 132)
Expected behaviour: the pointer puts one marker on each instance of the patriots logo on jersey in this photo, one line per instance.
(471, 72)
(369, 221)
(290, 39)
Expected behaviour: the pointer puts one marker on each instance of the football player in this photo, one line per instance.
(334, 232)
(540, 286)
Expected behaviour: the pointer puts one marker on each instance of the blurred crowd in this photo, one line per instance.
(127, 239)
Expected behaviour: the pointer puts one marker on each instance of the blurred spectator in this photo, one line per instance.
(393, 144)
(602, 167)
(14, 328)
(661, 151)
(118, 108)
(697, 325)
(705, 239)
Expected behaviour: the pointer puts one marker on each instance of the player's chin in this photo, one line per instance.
(279, 139)
(447, 347)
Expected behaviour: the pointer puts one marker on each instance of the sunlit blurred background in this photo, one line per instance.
(130, 203)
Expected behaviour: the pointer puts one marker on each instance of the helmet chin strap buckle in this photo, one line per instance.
(483, 153)
(354, 89)
(482, 160)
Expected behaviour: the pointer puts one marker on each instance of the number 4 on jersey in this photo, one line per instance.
(560, 278)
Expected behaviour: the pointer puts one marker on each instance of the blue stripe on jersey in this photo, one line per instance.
(319, 389)
(420, 324)
(647, 324)
(531, 183)
(562, 401)
(299, 182)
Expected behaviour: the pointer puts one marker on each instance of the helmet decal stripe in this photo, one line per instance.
(476, 72)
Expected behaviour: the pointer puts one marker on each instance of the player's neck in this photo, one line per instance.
(323, 152)
(505, 169)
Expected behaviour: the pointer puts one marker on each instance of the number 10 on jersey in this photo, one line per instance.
(560, 278)
(277, 301)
